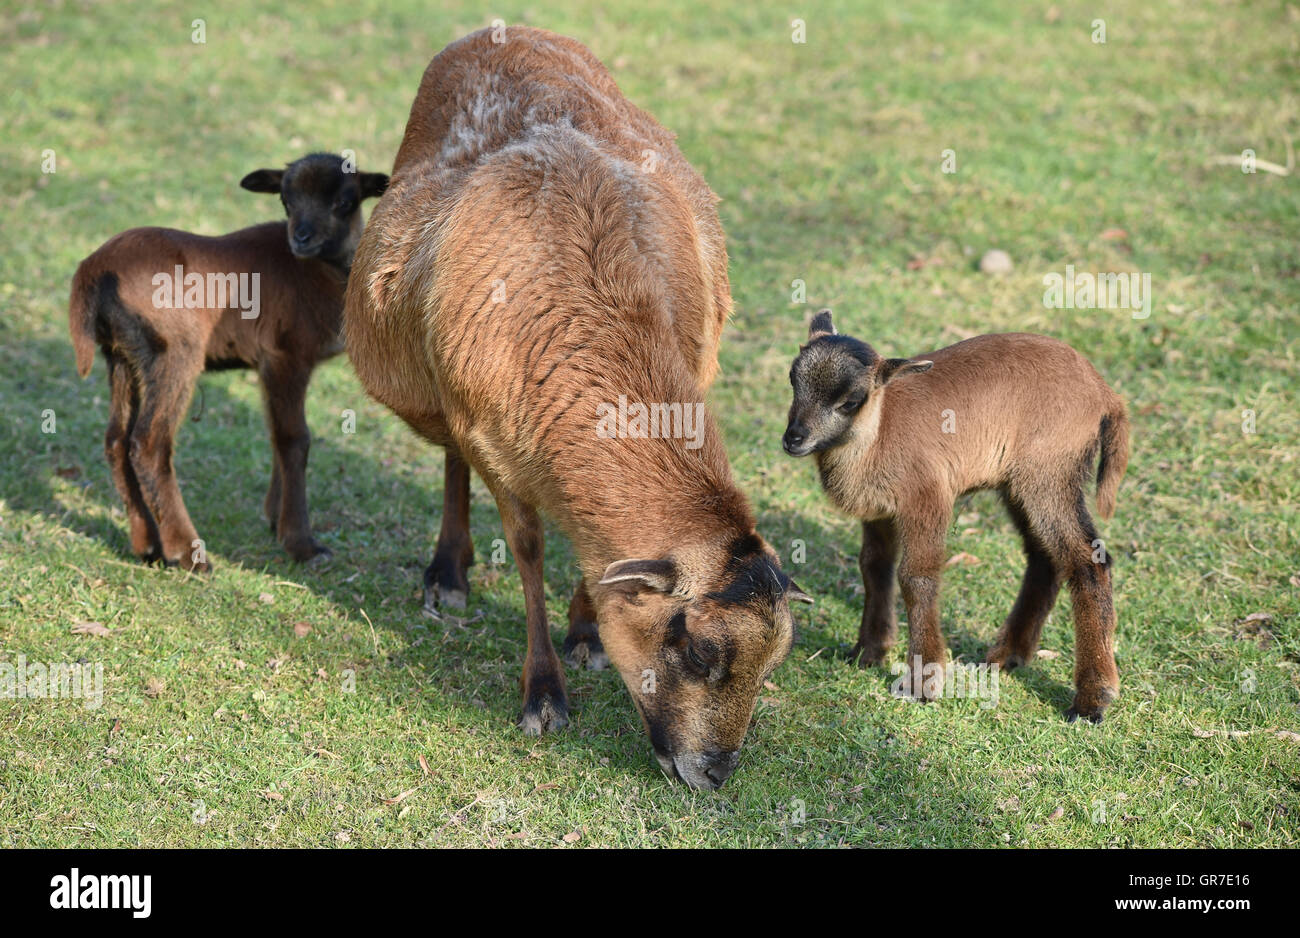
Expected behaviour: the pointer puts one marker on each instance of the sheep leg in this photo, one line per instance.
(877, 561)
(546, 706)
(1017, 640)
(582, 644)
(167, 386)
(446, 581)
(285, 389)
(146, 542)
(1061, 521)
(919, 574)
(271, 504)
(1096, 679)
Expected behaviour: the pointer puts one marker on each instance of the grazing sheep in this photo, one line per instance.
(544, 253)
(898, 440)
(165, 306)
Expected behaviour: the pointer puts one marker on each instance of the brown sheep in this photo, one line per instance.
(897, 441)
(164, 306)
(544, 251)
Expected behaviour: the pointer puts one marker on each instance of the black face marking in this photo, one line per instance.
(703, 657)
(829, 367)
(676, 629)
(699, 658)
(753, 579)
(842, 389)
(656, 724)
(863, 353)
(743, 547)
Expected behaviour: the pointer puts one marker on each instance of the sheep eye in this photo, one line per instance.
(345, 207)
(850, 405)
(693, 656)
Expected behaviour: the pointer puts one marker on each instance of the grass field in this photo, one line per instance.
(272, 705)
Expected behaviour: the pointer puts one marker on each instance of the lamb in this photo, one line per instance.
(543, 250)
(898, 440)
(166, 305)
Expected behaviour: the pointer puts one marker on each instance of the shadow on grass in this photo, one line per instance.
(840, 543)
(473, 665)
(223, 461)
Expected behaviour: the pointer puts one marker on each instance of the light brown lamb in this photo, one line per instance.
(898, 440)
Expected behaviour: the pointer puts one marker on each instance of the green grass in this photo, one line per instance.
(222, 727)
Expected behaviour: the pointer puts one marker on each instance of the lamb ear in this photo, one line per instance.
(821, 325)
(897, 367)
(372, 184)
(658, 575)
(263, 180)
(796, 595)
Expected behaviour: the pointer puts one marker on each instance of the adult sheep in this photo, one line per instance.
(545, 253)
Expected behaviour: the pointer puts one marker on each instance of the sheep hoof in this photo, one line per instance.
(1091, 705)
(309, 551)
(187, 563)
(544, 712)
(580, 650)
(445, 596)
(918, 686)
(867, 656)
(1007, 658)
(1092, 716)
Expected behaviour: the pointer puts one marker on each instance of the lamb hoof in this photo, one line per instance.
(309, 551)
(187, 563)
(918, 686)
(1006, 658)
(1092, 716)
(1091, 701)
(867, 656)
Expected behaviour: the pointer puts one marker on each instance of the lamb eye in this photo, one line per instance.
(345, 207)
(851, 405)
(694, 657)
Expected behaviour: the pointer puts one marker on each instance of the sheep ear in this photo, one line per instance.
(796, 595)
(897, 367)
(821, 325)
(263, 180)
(372, 184)
(658, 575)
